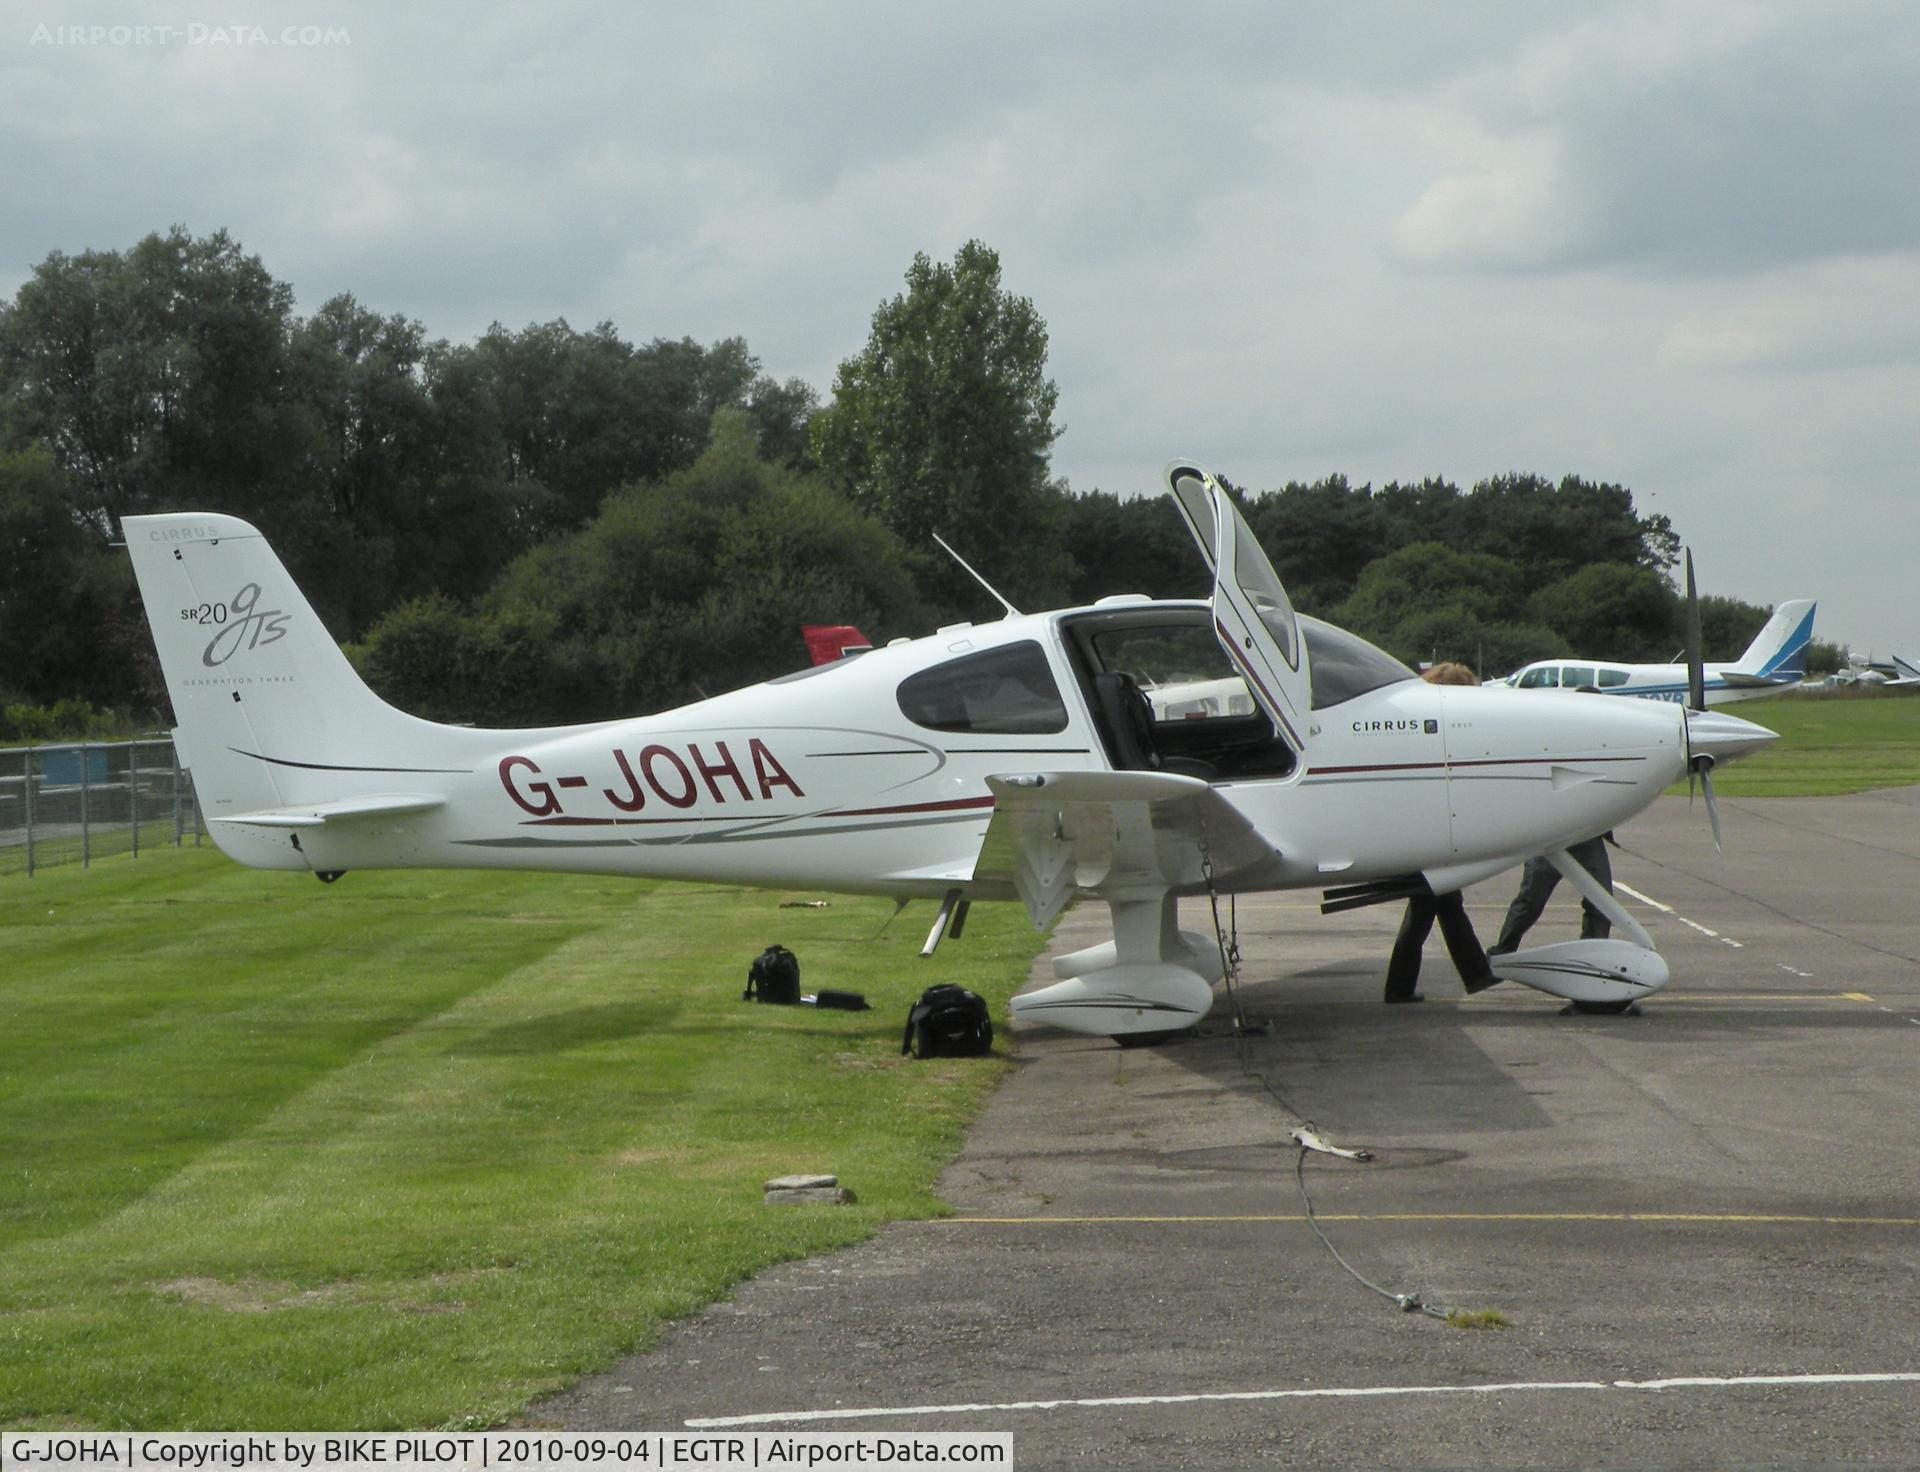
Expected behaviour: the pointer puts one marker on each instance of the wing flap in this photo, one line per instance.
(1114, 834)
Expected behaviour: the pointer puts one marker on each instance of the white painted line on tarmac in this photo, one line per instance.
(1795, 971)
(1353, 1392)
(1647, 899)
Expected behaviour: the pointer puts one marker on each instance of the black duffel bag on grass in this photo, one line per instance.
(948, 1022)
(774, 977)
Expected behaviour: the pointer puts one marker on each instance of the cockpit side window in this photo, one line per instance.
(1009, 691)
(1541, 677)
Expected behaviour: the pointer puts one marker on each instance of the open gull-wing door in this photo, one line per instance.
(1251, 611)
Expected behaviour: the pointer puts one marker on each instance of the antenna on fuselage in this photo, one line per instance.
(1012, 612)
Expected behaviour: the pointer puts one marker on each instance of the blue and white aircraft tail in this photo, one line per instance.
(1775, 661)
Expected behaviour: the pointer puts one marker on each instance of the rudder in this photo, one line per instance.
(1779, 650)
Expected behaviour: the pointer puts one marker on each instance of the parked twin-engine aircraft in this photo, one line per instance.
(1015, 759)
(1775, 661)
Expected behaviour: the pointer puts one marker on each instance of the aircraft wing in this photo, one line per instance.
(1120, 835)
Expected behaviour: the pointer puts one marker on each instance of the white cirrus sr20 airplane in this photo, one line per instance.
(1017, 759)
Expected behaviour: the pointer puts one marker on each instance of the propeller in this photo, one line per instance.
(1697, 701)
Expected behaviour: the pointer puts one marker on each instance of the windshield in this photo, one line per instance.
(1345, 665)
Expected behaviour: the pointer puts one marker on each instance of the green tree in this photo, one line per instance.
(1505, 647)
(1610, 611)
(673, 591)
(581, 413)
(158, 378)
(72, 627)
(944, 422)
(1427, 601)
(1320, 537)
(1727, 626)
(1419, 579)
(1552, 530)
(1135, 544)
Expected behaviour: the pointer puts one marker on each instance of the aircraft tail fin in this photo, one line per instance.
(270, 713)
(1779, 651)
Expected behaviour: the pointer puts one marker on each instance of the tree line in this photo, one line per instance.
(551, 524)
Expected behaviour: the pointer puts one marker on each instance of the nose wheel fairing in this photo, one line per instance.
(1590, 972)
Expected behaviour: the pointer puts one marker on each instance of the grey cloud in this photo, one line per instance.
(1791, 143)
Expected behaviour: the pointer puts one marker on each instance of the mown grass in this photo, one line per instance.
(415, 1148)
(1829, 744)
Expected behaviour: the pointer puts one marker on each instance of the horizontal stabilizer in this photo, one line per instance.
(342, 810)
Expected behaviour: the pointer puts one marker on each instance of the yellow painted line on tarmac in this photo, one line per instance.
(1765, 997)
(1687, 1217)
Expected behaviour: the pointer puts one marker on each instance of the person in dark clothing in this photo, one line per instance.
(1403, 966)
(1537, 883)
(1539, 879)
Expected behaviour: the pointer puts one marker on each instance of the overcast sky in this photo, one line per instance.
(1672, 245)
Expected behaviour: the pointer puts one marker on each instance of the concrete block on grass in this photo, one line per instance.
(803, 1189)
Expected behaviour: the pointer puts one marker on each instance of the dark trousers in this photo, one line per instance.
(1537, 882)
(1403, 966)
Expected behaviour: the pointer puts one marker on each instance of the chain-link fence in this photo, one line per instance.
(75, 804)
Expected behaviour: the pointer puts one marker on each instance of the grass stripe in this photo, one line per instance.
(412, 1149)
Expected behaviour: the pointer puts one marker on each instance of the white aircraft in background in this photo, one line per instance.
(1775, 661)
(1865, 674)
(1015, 759)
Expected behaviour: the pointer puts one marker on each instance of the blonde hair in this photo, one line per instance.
(1448, 673)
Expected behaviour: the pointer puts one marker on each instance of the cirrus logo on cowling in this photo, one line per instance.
(248, 626)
